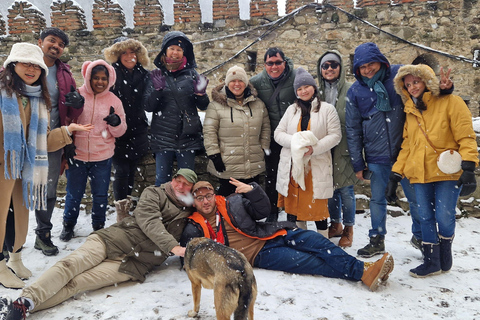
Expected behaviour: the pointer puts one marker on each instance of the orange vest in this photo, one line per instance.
(222, 208)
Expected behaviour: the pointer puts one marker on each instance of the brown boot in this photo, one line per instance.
(374, 273)
(347, 237)
(123, 208)
(335, 230)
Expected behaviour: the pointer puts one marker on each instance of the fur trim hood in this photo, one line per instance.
(87, 75)
(112, 54)
(220, 95)
(422, 71)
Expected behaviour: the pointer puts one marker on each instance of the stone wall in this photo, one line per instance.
(450, 27)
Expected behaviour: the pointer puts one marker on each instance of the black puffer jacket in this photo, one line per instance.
(130, 88)
(167, 121)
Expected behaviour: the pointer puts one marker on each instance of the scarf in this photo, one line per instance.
(27, 156)
(173, 65)
(375, 83)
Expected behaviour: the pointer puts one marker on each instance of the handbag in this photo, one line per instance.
(449, 161)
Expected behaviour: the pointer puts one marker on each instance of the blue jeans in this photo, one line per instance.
(378, 202)
(77, 174)
(409, 191)
(164, 163)
(343, 199)
(308, 252)
(437, 202)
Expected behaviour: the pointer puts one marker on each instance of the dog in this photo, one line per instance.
(226, 271)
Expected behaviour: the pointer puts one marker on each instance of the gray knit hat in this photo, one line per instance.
(303, 78)
(330, 57)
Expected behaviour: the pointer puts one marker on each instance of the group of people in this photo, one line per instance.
(315, 141)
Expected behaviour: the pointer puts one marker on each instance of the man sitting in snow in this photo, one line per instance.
(125, 251)
(281, 246)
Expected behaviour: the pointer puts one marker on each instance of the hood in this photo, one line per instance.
(112, 54)
(422, 71)
(366, 53)
(219, 94)
(188, 53)
(87, 74)
(341, 79)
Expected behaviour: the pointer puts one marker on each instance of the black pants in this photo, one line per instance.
(124, 176)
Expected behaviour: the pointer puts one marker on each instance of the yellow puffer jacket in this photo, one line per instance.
(447, 122)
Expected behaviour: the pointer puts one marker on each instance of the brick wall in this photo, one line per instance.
(67, 16)
(263, 8)
(107, 14)
(23, 17)
(225, 9)
(148, 14)
(186, 11)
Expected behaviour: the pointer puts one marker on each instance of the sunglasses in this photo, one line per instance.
(327, 65)
(277, 63)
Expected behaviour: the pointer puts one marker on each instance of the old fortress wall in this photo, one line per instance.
(444, 32)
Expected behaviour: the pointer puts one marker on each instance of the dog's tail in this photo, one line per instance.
(246, 298)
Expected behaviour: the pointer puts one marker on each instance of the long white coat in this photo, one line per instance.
(325, 125)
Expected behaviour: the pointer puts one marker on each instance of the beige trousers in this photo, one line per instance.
(86, 268)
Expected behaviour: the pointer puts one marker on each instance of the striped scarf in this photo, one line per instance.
(26, 157)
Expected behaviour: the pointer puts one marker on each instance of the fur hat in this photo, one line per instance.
(330, 57)
(27, 53)
(422, 71)
(121, 44)
(236, 73)
(303, 78)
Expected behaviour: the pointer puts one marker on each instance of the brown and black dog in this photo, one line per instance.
(226, 271)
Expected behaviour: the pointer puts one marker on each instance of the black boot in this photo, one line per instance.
(376, 246)
(431, 262)
(44, 242)
(98, 226)
(273, 216)
(67, 232)
(446, 259)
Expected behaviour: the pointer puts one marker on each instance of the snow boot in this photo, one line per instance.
(335, 230)
(446, 259)
(67, 232)
(416, 243)
(44, 243)
(123, 208)
(15, 263)
(347, 237)
(376, 246)
(431, 262)
(16, 310)
(374, 273)
(8, 279)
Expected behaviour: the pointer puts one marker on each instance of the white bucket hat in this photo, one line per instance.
(27, 53)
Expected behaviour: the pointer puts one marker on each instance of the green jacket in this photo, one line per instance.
(147, 237)
(343, 174)
(284, 99)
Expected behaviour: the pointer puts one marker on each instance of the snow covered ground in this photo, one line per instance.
(166, 294)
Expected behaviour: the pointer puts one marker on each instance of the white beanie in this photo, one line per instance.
(236, 73)
(27, 53)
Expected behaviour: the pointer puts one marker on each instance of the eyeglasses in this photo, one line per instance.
(209, 197)
(332, 64)
(31, 65)
(277, 63)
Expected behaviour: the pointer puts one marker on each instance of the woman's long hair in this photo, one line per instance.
(11, 82)
(306, 107)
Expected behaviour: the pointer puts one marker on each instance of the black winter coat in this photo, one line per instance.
(167, 121)
(130, 88)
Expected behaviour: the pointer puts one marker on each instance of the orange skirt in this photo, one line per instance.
(301, 203)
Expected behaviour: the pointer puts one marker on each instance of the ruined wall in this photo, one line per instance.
(446, 26)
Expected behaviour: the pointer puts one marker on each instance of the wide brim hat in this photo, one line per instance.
(26, 53)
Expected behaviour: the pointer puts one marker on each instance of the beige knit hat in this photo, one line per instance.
(27, 53)
(236, 73)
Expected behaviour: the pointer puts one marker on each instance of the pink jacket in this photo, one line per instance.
(99, 143)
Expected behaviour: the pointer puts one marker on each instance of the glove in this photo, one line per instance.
(158, 79)
(112, 119)
(467, 180)
(217, 162)
(200, 84)
(69, 152)
(391, 191)
(74, 99)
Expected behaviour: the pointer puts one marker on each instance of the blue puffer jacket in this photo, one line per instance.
(374, 133)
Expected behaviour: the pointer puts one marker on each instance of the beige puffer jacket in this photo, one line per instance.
(240, 133)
